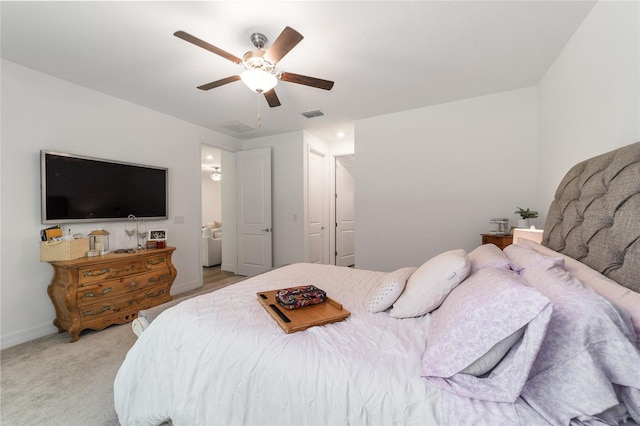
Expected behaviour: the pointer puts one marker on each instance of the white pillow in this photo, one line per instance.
(388, 290)
(427, 287)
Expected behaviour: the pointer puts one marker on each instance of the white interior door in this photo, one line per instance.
(253, 187)
(317, 236)
(345, 211)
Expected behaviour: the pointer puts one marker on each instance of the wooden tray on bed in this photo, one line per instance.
(292, 320)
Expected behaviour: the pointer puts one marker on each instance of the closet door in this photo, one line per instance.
(254, 211)
(345, 211)
(317, 208)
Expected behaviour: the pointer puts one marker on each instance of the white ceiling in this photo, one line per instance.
(384, 56)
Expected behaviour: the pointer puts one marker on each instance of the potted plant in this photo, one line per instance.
(525, 214)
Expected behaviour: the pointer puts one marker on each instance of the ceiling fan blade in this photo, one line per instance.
(272, 98)
(307, 81)
(210, 47)
(219, 83)
(286, 41)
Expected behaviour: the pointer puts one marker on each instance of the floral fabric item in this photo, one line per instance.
(297, 297)
(487, 308)
(586, 371)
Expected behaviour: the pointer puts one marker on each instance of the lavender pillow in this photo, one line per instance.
(488, 307)
(526, 257)
(490, 256)
(621, 296)
(588, 361)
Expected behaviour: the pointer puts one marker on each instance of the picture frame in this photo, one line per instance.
(157, 235)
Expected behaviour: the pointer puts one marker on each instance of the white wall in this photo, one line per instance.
(429, 179)
(589, 99)
(453, 169)
(42, 112)
(287, 153)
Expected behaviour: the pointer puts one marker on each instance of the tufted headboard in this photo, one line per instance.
(595, 216)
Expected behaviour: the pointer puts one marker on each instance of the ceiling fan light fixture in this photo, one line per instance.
(216, 176)
(258, 80)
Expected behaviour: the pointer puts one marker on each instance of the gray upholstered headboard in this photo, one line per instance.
(595, 216)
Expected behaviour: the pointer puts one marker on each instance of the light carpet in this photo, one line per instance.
(49, 381)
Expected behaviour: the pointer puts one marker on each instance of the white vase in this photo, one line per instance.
(523, 223)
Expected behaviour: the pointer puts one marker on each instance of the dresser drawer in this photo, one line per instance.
(96, 273)
(131, 303)
(94, 293)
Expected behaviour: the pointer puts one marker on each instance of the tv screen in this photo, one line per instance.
(84, 189)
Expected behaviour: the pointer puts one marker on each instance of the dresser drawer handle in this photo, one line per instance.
(91, 311)
(160, 293)
(133, 283)
(102, 293)
(96, 273)
(156, 261)
(159, 278)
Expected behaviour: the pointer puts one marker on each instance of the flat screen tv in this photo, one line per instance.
(75, 189)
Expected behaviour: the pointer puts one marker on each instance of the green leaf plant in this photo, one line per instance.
(526, 213)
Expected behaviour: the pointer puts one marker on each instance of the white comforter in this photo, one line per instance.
(221, 359)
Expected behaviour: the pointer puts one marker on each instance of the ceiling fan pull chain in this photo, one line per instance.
(259, 115)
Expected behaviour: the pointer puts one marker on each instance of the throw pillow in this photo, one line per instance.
(431, 283)
(388, 290)
(490, 256)
(526, 258)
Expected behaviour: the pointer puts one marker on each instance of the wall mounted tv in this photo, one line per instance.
(84, 189)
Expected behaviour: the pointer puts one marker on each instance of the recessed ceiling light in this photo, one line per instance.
(209, 157)
(340, 134)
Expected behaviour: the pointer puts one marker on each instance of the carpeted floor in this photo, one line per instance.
(52, 382)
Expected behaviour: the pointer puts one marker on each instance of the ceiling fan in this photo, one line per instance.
(259, 74)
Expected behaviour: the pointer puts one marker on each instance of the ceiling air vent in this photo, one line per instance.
(314, 113)
(237, 126)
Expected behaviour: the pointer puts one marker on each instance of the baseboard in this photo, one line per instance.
(27, 334)
(182, 287)
(229, 267)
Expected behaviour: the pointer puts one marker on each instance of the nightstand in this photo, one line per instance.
(501, 240)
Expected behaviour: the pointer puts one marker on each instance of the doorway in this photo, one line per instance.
(211, 216)
(345, 211)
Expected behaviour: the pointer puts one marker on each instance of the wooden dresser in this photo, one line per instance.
(501, 240)
(95, 292)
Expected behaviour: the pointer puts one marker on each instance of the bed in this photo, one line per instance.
(535, 334)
